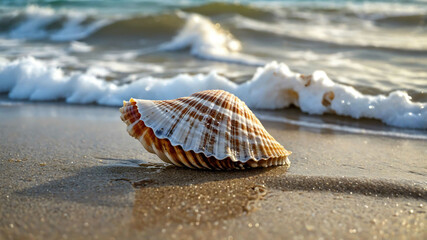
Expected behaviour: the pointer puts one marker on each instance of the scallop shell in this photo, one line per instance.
(211, 129)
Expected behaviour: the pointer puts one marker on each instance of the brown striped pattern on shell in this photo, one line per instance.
(211, 129)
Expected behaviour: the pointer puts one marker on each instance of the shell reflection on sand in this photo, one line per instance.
(211, 129)
(204, 203)
(177, 199)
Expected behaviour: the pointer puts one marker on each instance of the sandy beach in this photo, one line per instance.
(341, 84)
(72, 172)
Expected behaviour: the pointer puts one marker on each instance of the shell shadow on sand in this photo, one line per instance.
(95, 185)
(198, 197)
(164, 194)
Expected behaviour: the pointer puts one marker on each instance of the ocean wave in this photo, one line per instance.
(208, 41)
(354, 35)
(369, 10)
(203, 38)
(36, 23)
(371, 25)
(45, 23)
(79, 47)
(403, 20)
(221, 8)
(273, 86)
(375, 10)
(152, 26)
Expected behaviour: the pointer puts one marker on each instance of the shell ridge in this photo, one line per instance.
(243, 133)
(183, 127)
(217, 109)
(271, 144)
(184, 130)
(219, 125)
(212, 138)
(238, 116)
(251, 135)
(184, 123)
(222, 126)
(168, 109)
(248, 148)
(153, 126)
(159, 125)
(179, 127)
(198, 124)
(161, 128)
(205, 134)
(198, 128)
(233, 146)
(263, 145)
(258, 130)
(240, 129)
(197, 131)
(130, 126)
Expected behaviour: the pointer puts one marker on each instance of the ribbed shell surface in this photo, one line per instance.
(213, 122)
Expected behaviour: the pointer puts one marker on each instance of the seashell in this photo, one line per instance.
(211, 129)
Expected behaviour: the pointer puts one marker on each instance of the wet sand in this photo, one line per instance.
(72, 172)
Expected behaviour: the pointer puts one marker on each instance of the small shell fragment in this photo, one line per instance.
(211, 129)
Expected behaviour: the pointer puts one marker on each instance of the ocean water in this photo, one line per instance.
(362, 59)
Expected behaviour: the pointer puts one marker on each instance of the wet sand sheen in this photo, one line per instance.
(214, 197)
(84, 176)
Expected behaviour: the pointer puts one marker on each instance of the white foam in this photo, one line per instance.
(273, 86)
(208, 41)
(33, 80)
(98, 71)
(74, 29)
(37, 19)
(126, 66)
(79, 47)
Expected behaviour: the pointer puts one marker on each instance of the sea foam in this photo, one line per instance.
(79, 47)
(36, 21)
(273, 86)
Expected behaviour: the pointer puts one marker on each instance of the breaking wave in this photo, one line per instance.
(208, 41)
(35, 23)
(308, 22)
(273, 86)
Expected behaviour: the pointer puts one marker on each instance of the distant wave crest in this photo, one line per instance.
(305, 21)
(208, 41)
(35, 23)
